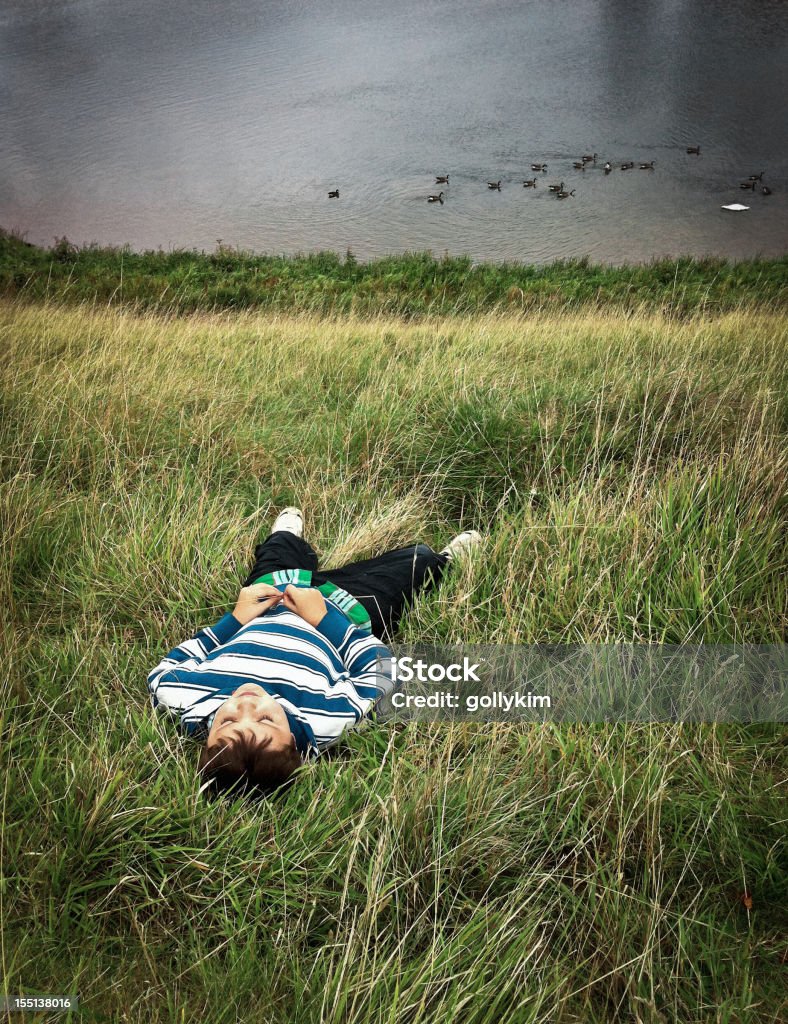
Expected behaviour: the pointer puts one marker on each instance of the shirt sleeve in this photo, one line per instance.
(177, 694)
(368, 664)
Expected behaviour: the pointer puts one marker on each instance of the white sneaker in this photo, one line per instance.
(461, 543)
(291, 520)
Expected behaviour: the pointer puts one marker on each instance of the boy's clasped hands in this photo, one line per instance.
(258, 598)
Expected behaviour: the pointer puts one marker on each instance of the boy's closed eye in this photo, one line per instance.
(260, 718)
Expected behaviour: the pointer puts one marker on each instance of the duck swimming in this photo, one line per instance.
(589, 158)
(564, 195)
(647, 167)
(747, 184)
(766, 191)
(608, 167)
(442, 179)
(538, 167)
(756, 177)
(529, 183)
(334, 194)
(579, 165)
(556, 188)
(436, 199)
(628, 166)
(494, 185)
(693, 149)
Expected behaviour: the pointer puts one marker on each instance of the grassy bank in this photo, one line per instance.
(412, 285)
(629, 472)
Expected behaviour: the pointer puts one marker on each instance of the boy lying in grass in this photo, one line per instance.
(298, 660)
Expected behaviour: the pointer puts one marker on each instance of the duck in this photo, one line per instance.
(538, 167)
(442, 179)
(436, 199)
(693, 150)
(564, 195)
(647, 167)
(589, 158)
(529, 183)
(579, 165)
(334, 194)
(608, 167)
(556, 188)
(747, 184)
(766, 191)
(494, 185)
(628, 166)
(756, 177)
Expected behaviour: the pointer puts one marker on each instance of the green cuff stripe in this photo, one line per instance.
(347, 604)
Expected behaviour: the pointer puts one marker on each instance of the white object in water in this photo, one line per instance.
(734, 206)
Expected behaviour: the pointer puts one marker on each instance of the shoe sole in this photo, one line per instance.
(291, 510)
(473, 541)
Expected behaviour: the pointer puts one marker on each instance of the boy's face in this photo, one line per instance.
(251, 709)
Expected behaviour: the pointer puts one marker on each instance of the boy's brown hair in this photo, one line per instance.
(244, 762)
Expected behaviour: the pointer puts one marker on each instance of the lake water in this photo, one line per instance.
(178, 123)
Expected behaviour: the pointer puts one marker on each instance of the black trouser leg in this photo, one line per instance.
(281, 550)
(387, 584)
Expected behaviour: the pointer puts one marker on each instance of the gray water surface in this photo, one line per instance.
(176, 124)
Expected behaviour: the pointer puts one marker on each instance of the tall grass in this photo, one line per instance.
(628, 471)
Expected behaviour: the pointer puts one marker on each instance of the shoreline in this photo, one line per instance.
(412, 285)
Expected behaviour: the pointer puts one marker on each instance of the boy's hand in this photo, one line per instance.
(307, 602)
(255, 600)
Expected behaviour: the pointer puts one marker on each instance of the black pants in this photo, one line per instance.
(384, 585)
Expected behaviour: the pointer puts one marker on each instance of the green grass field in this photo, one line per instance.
(629, 471)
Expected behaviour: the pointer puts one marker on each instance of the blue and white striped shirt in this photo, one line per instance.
(326, 677)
